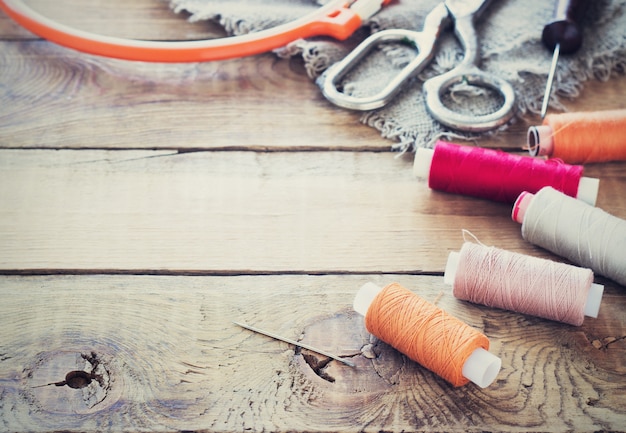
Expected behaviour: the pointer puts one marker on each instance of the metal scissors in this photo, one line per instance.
(461, 13)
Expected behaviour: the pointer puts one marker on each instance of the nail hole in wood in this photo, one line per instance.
(78, 379)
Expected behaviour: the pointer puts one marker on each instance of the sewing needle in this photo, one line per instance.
(546, 95)
(565, 35)
(295, 343)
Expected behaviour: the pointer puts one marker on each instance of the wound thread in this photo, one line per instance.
(497, 175)
(586, 235)
(524, 284)
(586, 137)
(423, 332)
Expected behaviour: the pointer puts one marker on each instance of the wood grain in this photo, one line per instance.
(139, 19)
(242, 212)
(170, 360)
(143, 207)
(56, 94)
(62, 99)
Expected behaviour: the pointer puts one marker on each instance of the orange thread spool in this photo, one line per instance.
(582, 137)
(423, 332)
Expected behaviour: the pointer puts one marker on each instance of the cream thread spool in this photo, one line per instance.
(537, 295)
(583, 234)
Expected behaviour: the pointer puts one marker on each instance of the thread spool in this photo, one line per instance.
(496, 175)
(579, 138)
(428, 335)
(585, 235)
(524, 284)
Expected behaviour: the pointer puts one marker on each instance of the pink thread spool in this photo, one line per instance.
(524, 284)
(496, 175)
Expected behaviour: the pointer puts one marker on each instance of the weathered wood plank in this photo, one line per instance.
(10, 30)
(162, 349)
(52, 97)
(169, 359)
(243, 212)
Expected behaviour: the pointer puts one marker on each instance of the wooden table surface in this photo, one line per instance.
(144, 207)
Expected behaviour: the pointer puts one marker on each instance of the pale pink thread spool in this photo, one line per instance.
(524, 284)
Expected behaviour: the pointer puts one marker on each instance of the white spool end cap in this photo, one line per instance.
(588, 190)
(451, 266)
(422, 162)
(594, 297)
(482, 367)
(364, 298)
(539, 140)
(520, 206)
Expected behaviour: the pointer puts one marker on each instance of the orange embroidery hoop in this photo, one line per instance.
(338, 19)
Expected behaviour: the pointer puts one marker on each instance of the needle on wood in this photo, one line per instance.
(295, 343)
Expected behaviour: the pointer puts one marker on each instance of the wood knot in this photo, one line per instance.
(84, 386)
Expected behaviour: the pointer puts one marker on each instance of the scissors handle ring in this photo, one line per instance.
(329, 82)
(436, 87)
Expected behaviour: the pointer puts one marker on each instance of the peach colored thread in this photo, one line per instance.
(423, 332)
(585, 137)
(516, 282)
